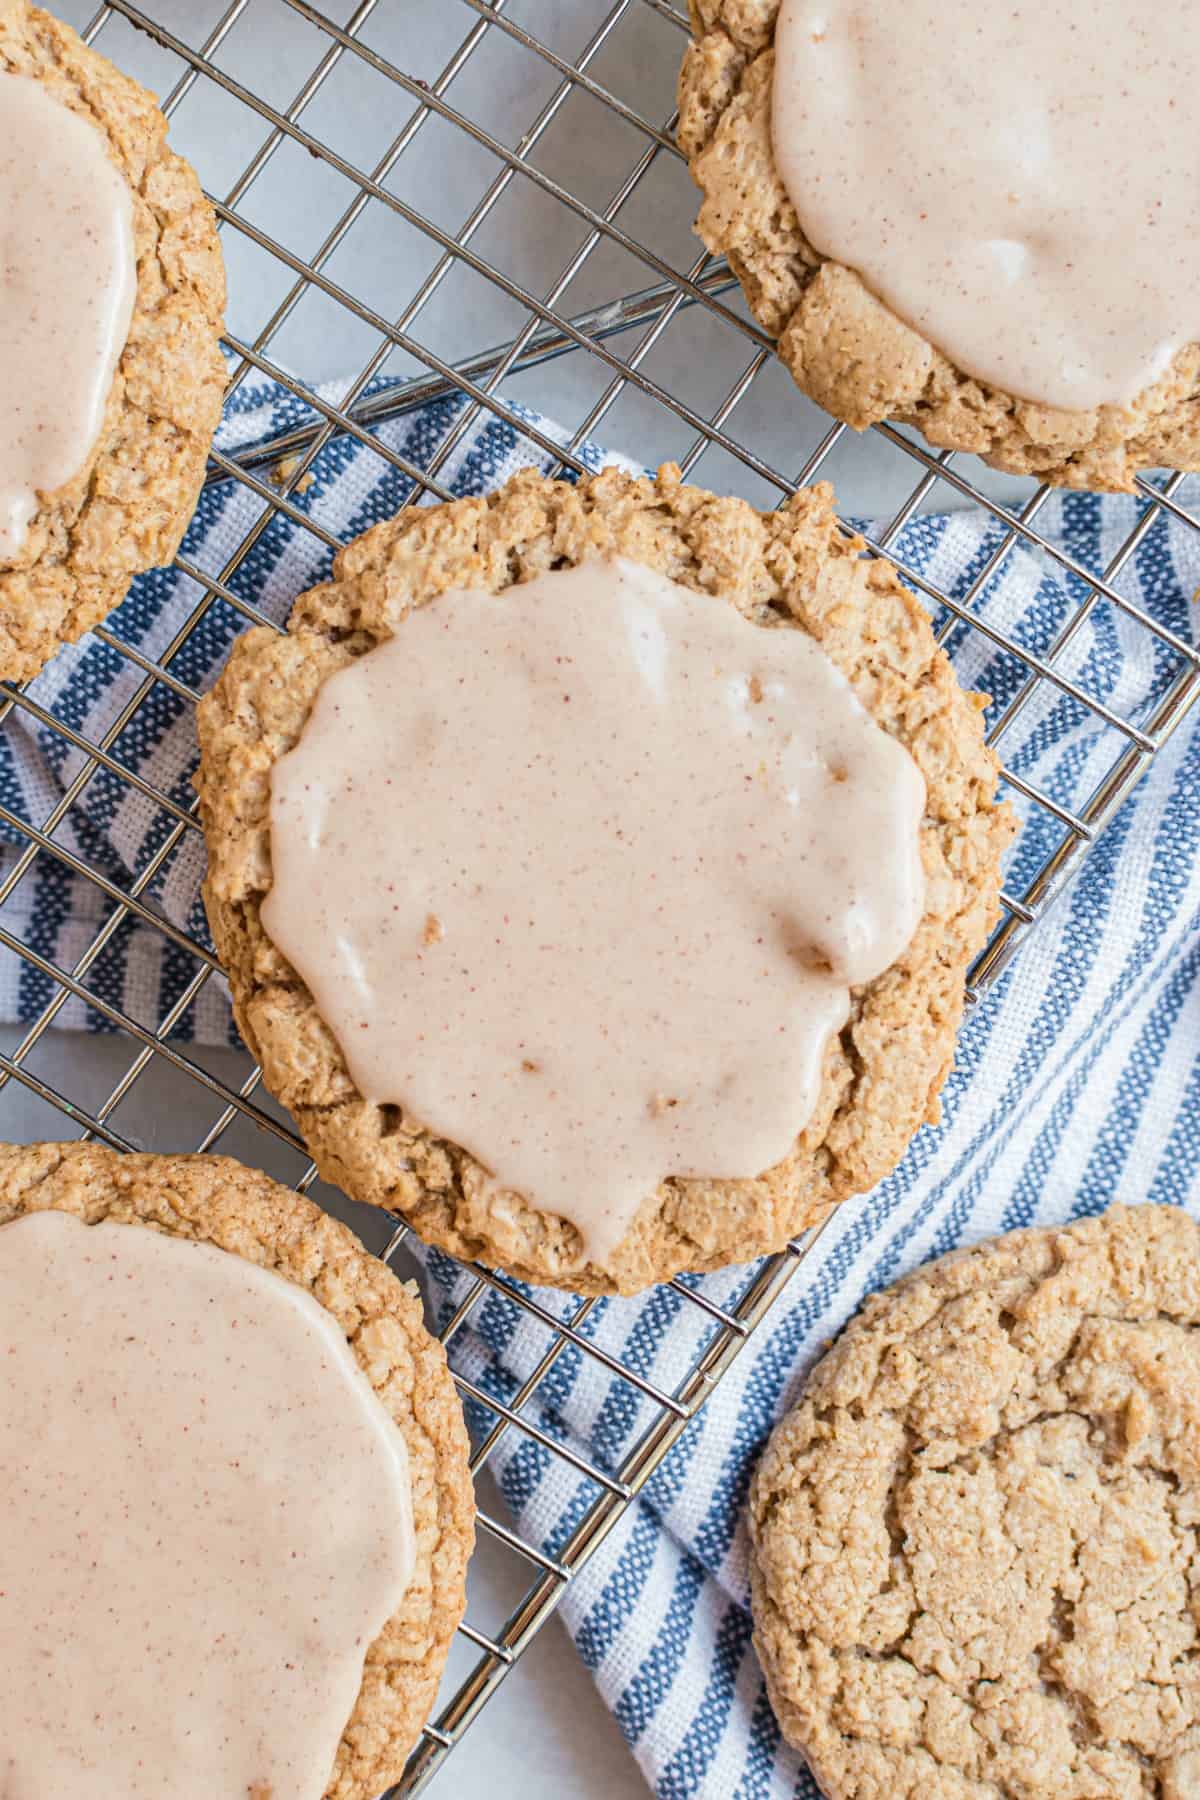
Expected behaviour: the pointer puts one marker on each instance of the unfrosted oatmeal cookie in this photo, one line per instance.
(974, 1556)
(793, 568)
(125, 508)
(843, 345)
(213, 1200)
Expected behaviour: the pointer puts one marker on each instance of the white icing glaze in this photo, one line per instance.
(580, 876)
(1019, 183)
(207, 1519)
(68, 278)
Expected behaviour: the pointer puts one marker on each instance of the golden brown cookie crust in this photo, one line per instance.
(128, 508)
(975, 1566)
(845, 348)
(793, 568)
(214, 1200)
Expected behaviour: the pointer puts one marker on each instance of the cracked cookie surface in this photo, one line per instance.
(975, 1565)
(845, 347)
(127, 508)
(791, 569)
(215, 1200)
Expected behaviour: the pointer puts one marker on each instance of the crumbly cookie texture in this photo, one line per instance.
(214, 1200)
(847, 349)
(792, 569)
(975, 1564)
(127, 509)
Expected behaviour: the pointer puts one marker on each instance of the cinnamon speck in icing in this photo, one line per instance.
(206, 1521)
(68, 279)
(580, 875)
(1020, 183)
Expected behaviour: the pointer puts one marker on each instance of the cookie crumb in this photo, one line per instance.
(434, 931)
(285, 468)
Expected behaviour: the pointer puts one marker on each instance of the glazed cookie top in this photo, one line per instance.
(346, 1309)
(1002, 255)
(602, 931)
(975, 1559)
(793, 569)
(66, 300)
(874, 218)
(133, 454)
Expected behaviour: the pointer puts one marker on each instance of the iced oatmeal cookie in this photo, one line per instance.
(936, 249)
(109, 325)
(877, 1078)
(197, 1337)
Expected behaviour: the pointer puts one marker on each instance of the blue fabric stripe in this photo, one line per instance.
(683, 1774)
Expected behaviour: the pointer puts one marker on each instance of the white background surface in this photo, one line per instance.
(546, 1733)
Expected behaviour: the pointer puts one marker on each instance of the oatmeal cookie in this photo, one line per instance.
(975, 1566)
(127, 508)
(214, 1200)
(846, 348)
(793, 568)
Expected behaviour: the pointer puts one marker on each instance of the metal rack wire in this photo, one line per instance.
(557, 242)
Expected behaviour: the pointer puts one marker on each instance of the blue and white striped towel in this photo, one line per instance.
(1078, 1081)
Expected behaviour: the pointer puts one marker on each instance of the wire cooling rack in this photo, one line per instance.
(483, 197)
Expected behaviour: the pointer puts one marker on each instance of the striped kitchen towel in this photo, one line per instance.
(1077, 1080)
